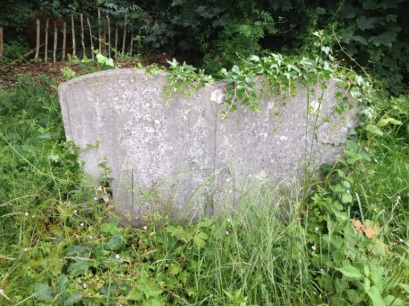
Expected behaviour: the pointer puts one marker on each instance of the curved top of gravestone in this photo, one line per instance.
(183, 144)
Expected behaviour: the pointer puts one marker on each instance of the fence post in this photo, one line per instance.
(46, 41)
(109, 36)
(124, 36)
(99, 30)
(1, 42)
(73, 36)
(90, 37)
(82, 36)
(55, 42)
(64, 40)
(37, 39)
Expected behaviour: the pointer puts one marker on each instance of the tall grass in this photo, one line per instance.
(61, 245)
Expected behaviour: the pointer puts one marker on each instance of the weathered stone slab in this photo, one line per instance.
(181, 152)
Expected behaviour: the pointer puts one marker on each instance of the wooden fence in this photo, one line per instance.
(79, 37)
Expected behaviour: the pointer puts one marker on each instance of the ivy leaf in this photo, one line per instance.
(200, 240)
(350, 271)
(43, 293)
(365, 23)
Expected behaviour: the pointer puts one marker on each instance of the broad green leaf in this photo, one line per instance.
(73, 298)
(43, 293)
(365, 23)
(149, 288)
(200, 239)
(109, 62)
(375, 296)
(153, 302)
(385, 121)
(405, 287)
(346, 198)
(350, 271)
(385, 39)
(135, 295)
(374, 129)
(114, 243)
(391, 300)
(110, 228)
(61, 284)
(78, 267)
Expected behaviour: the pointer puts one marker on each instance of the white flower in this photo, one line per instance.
(314, 248)
(26, 214)
(227, 232)
(95, 199)
(25, 249)
(117, 256)
(84, 286)
(322, 270)
(145, 227)
(75, 211)
(82, 224)
(316, 229)
(90, 237)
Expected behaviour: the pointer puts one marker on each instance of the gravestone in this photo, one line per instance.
(181, 154)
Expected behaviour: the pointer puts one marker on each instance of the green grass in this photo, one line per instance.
(61, 246)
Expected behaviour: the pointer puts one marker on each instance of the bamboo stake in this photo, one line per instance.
(116, 39)
(131, 48)
(55, 43)
(90, 37)
(99, 30)
(73, 36)
(82, 36)
(1, 41)
(46, 41)
(124, 36)
(139, 41)
(109, 37)
(37, 39)
(64, 40)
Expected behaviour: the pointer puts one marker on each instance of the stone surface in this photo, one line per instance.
(180, 153)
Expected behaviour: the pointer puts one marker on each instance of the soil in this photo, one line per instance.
(10, 73)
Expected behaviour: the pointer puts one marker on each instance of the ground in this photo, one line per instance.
(9, 73)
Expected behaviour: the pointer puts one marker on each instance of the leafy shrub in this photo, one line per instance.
(13, 52)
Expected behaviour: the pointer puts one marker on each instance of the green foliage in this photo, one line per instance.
(13, 52)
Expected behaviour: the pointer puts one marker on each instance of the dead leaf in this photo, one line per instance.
(358, 225)
(371, 229)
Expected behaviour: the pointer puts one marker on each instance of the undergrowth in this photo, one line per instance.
(345, 242)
